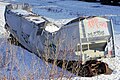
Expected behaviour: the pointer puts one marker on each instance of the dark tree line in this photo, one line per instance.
(109, 2)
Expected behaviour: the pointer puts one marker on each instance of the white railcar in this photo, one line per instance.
(82, 38)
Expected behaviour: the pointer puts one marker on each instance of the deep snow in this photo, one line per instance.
(21, 64)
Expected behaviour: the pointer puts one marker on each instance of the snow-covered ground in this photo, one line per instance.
(2, 20)
(17, 63)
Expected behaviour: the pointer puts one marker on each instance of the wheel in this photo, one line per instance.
(6, 26)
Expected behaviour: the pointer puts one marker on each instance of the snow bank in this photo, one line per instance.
(63, 11)
(19, 64)
(2, 19)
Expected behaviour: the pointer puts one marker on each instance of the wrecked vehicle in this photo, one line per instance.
(83, 38)
(79, 40)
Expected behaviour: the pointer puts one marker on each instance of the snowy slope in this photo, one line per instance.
(21, 64)
(75, 8)
(2, 20)
(60, 10)
(71, 9)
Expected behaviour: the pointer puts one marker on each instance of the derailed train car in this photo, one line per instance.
(88, 37)
(80, 39)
